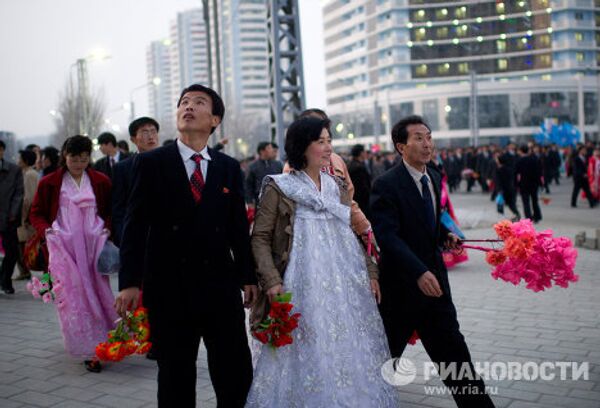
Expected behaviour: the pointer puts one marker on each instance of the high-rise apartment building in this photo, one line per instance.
(531, 59)
(179, 61)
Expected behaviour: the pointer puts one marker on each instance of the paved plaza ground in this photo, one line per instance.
(501, 323)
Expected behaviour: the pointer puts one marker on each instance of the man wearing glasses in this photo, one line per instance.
(144, 134)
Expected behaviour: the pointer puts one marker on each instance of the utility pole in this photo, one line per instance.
(474, 110)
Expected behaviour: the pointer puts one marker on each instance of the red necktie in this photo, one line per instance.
(197, 181)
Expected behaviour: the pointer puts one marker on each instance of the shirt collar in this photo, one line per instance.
(186, 152)
(414, 173)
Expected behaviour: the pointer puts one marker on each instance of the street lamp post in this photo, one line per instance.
(83, 86)
(154, 82)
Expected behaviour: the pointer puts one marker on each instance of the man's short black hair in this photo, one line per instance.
(139, 122)
(274, 145)
(106, 138)
(262, 146)
(299, 136)
(524, 149)
(2, 145)
(218, 107)
(31, 146)
(28, 156)
(399, 132)
(51, 153)
(357, 150)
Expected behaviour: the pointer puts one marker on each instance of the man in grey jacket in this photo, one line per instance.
(11, 200)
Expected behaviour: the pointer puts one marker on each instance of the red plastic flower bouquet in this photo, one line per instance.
(276, 329)
(129, 337)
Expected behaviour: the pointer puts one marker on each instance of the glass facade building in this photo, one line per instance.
(531, 59)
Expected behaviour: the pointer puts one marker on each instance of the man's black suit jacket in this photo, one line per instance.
(103, 165)
(179, 249)
(579, 169)
(408, 247)
(528, 172)
(121, 186)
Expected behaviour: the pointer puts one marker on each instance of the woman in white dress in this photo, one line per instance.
(340, 345)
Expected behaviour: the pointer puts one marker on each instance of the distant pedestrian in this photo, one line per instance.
(580, 178)
(11, 200)
(528, 173)
(265, 165)
(27, 162)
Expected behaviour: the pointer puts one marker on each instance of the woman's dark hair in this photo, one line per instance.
(75, 146)
(299, 136)
(51, 153)
(28, 157)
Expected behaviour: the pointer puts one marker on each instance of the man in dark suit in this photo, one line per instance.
(265, 165)
(405, 208)
(186, 239)
(144, 134)
(580, 178)
(528, 173)
(112, 154)
(360, 178)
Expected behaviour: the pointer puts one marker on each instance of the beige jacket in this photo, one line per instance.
(272, 241)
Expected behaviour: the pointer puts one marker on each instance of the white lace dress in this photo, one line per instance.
(340, 344)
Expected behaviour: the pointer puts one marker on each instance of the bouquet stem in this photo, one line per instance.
(481, 240)
(477, 247)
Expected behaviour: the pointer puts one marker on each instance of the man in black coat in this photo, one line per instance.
(265, 165)
(360, 178)
(186, 240)
(580, 178)
(112, 154)
(144, 134)
(406, 210)
(528, 173)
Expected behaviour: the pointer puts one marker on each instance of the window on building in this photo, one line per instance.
(500, 9)
(546, 77)
(441, 14)
(579, 37)
(463, 68)
(421, 70)
(420, 34)
(419, 15)
(501, 45)
(579, 16)
(545, 60)
(442, 32)
(580, 56)
(461, 31)
(542, 3)
(443, 68)
(544, 40)
(502, 64)
(460, 12)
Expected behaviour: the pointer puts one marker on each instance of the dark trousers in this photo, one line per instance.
(438, 329)
(530, 199)
(10, 242)
(579, 184)
(511, 202)
(177, 338)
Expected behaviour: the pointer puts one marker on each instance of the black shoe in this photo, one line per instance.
(93, 366)
(151, 355)
(9, 291)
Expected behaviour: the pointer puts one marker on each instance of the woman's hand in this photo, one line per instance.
(274, 291)
(375, 290)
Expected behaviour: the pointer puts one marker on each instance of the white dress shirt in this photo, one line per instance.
(190, 165)
(416, 175)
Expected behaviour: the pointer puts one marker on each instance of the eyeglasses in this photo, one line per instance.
(148, 133)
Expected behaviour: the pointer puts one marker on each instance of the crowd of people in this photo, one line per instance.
(194, 226)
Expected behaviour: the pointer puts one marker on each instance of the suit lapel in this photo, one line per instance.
(213, 177)
(414, 197)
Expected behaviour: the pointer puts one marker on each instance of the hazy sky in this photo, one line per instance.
(41, 39)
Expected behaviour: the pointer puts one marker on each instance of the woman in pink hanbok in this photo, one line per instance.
(72, 208)
(594, 173)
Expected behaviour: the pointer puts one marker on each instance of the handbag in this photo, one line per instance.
(500, 203)
(109, 262)
(34, 256)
